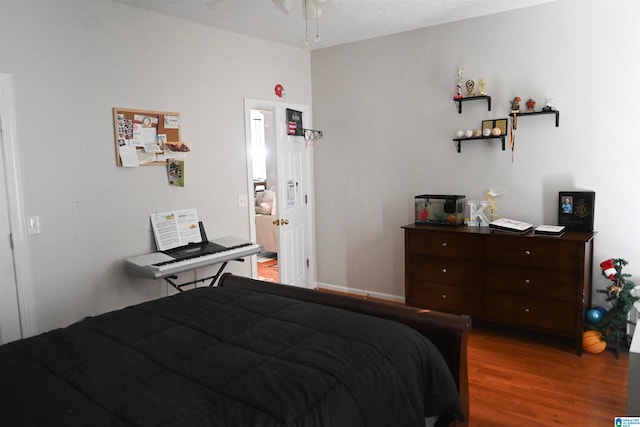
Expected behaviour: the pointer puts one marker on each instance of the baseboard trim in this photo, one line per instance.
(360, 292)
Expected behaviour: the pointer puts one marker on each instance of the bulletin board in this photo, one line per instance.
(141, 136)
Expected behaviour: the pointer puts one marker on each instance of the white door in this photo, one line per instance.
(17, 315)
(294, 211)
(292, 203)
(9, 314)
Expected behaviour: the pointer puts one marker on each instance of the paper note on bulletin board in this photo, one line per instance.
(141, 135)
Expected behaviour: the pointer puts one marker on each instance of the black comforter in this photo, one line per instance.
(224, 357)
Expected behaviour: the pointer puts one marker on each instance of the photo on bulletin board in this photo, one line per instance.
(294, 122)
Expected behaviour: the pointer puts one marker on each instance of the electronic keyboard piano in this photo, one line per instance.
(160, 265)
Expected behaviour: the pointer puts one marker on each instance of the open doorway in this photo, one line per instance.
(265, 188)
(281, 215)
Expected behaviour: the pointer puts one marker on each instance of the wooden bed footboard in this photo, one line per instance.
(448, 332)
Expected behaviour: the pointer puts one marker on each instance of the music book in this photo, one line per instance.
(549, 230)
(173, 229)
(510, 226)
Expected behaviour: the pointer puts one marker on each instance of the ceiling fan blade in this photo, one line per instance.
(285, 6)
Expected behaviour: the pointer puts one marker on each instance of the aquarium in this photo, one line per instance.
(440, 209)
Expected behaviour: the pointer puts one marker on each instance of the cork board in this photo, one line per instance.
(140, 135)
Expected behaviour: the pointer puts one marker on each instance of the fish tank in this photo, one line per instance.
(446, 209)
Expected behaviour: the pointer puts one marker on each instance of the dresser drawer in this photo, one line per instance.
(452, 299)
(449, 271)
(553, 316)
(559, 285)
(538, 252)
(444, 244)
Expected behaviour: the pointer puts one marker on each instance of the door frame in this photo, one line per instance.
(257, 104)
(15, 204)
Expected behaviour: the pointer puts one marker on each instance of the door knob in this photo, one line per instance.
(276, 222)
(284, 222)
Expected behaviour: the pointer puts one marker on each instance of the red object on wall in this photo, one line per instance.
(278, 89)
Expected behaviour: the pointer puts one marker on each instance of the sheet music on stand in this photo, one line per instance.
(177, 228)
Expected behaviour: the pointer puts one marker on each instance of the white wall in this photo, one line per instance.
(71, 62)
(385, 107)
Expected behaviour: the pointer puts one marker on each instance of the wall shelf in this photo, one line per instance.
(518, 115)
(457, 141)
(459, 101)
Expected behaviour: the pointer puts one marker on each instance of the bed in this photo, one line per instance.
(244, 353)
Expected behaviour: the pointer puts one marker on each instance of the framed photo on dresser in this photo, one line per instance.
(576, 210)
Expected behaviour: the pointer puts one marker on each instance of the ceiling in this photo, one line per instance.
(341, 21)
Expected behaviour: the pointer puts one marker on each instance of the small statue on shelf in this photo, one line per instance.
(481, 84)
(458, 84)
(515, 104)
(530, 105)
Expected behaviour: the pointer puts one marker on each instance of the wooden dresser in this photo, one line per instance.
(539, 283)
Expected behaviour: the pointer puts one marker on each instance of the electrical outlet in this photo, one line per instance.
(243, 201)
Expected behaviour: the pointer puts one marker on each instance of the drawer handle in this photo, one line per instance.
(527, 281)
(527, 252)
(444, 296)
(444, 270)
(444, 244)
(526, 310)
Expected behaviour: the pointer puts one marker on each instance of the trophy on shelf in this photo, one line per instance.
(470, 86)
(481, 84)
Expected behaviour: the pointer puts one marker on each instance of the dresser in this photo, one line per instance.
(534, 282)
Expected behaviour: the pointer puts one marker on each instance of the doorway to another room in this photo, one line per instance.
(265, 177)
(280, 181)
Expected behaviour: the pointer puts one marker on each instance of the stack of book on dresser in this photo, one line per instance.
(512, 226)
(506, 225)
(549, 230)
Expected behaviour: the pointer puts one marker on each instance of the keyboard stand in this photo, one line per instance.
(214, 278)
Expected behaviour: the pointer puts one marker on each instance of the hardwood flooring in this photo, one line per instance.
(268, 270)
(516, 379)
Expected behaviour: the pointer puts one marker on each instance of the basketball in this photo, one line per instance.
(593, 316)
(602, 310)
(593, 342)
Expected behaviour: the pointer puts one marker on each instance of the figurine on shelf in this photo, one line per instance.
(481, 84)
(458, 84)
(470, 86)
(515, 104)
(548, 105)
(530, 105)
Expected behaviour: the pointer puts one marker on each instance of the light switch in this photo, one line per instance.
(33, 225)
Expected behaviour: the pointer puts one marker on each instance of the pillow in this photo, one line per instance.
(264, 209)
(269, 194)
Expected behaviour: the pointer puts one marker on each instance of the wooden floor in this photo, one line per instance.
(516, 379)
(268, 270)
